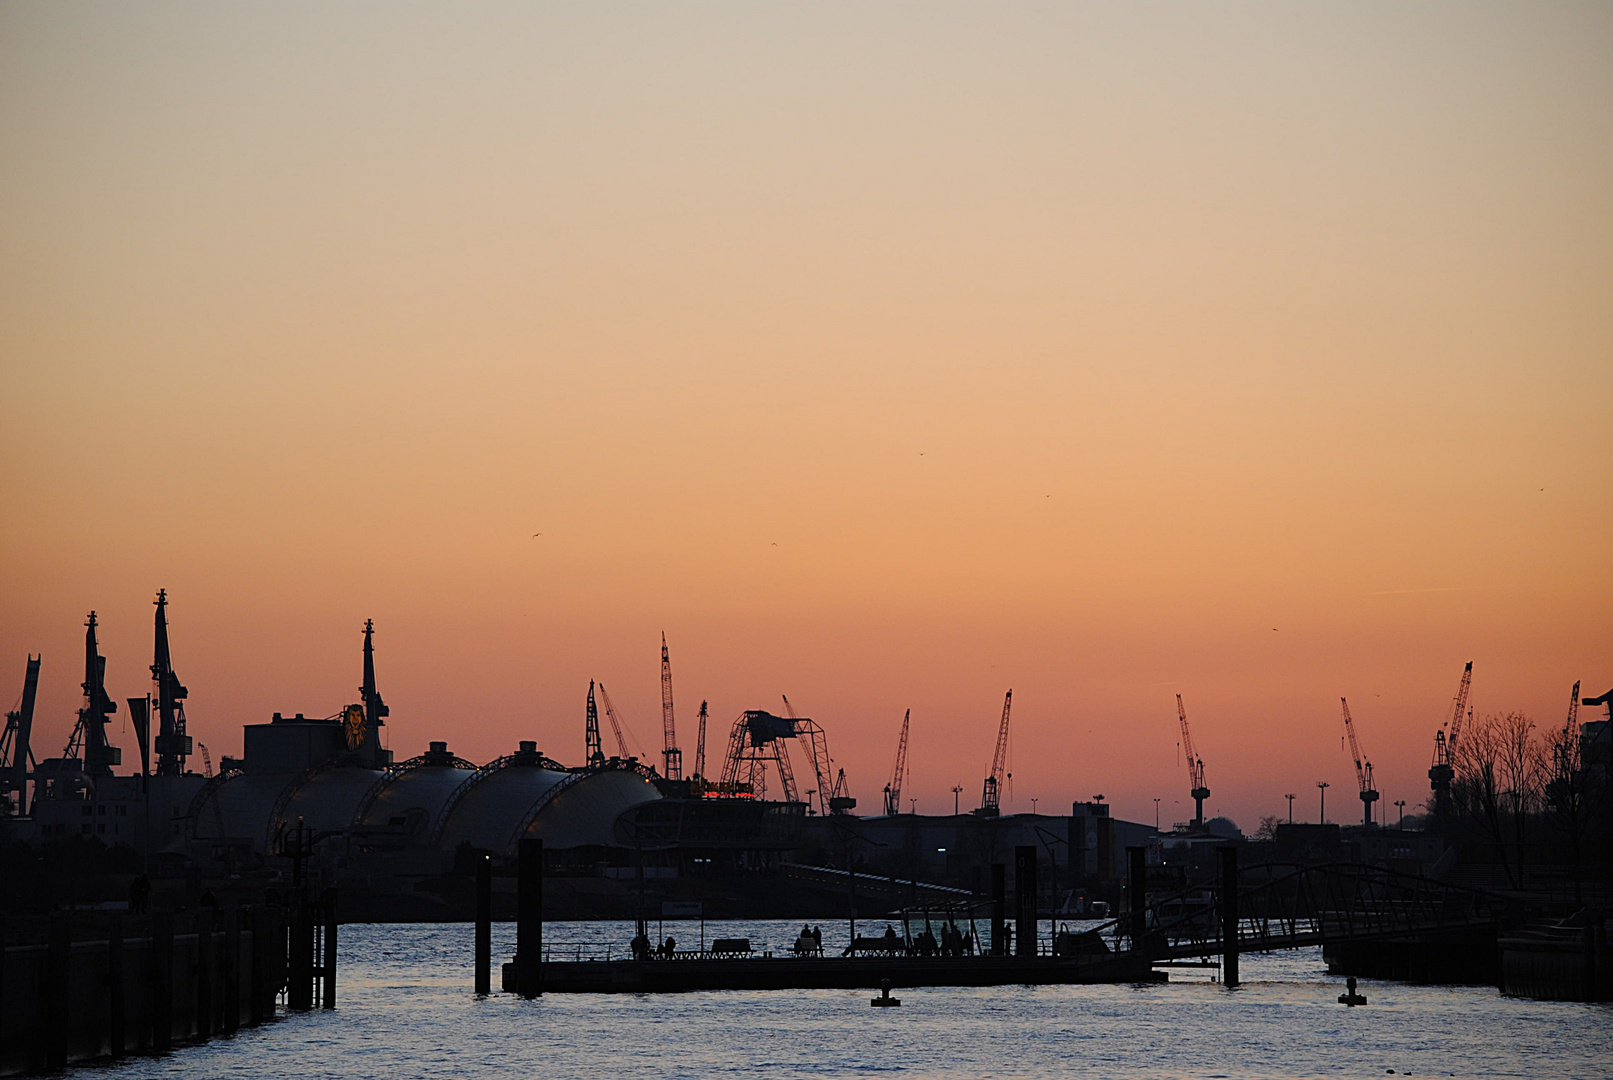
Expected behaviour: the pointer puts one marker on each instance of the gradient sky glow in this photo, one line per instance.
(1262, 354)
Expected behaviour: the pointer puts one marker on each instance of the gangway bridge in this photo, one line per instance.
(1271, 906)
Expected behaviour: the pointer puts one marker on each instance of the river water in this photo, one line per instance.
(406, 1010)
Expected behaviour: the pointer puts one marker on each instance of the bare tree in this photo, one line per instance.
(1500, 770)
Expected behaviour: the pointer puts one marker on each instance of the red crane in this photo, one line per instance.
(893, 790)
(1195, 768)
(991, 795)
(670, 754)
(1363, 770)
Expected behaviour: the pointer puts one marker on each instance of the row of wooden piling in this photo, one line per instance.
(147, 984)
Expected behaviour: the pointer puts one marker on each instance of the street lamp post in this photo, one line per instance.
(1290, 799)
(1401, 805)
(1033, 806)
(1322, 786)
(956, 788)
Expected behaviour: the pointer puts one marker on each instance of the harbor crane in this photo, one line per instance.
(893, 790)
(1443, 771)
(1195, 767)
(670, 754)
(172, 744)
(1363, 770)
(991, 793)
(15, 749)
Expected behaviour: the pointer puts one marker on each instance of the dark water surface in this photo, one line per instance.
(406, 1010)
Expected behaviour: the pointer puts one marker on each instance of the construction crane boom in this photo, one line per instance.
(893, 790)
(1195, 767)
(615, 723)
(1460, 711)
(670, 754)
(1363, 770)
(991, 793)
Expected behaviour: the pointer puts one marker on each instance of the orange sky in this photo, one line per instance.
(1257, 354)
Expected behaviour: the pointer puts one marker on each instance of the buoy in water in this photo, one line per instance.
(1350, 997)
(884, 1000)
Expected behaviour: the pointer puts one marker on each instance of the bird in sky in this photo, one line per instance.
(536, 535)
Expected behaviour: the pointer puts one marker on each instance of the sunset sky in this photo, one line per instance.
(883, 355)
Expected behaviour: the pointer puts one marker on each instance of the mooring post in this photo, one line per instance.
(1229, 916)
(484, 925)
(999, 908)
(160, 963)
(329, 904)
(204, 974)
(114, 985)
(1137, 893)
(231, 976)
(300, 985)
(528, 916)
(1025, 901)
(58, 954)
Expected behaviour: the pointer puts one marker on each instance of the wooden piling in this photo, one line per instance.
(999, 908)
(204, 974)
(528, 917)
(115, 1015)
(1137, 893)
(300, 981)
(160, 964)
(1229, 916)
(329, 905)
(484, 925)
(231, 976)
(58, 954)
(1025, 901)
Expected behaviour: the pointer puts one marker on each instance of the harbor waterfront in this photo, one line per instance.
(408, 1010)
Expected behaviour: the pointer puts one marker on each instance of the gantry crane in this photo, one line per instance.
(1443, 771)
(615, 724)
(1363, 770)
(991, 793)
(1195, 767)
(670, 754)
(893, 790)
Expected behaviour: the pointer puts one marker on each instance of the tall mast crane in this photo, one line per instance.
(991, 790)
(89, 736)
(173, 746)
(1195, 767)
(700, 746)
(1443, 771)
(591, 741)
(893, 790)
(1363, 770)
(670, 754)
(615, 723)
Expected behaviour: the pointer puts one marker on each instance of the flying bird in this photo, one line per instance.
(536, 535)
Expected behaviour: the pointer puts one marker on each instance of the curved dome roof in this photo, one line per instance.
(324, 800)
(584, 812)
(420, 792)
(237, 806)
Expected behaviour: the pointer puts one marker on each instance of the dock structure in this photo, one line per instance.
(704, 971)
